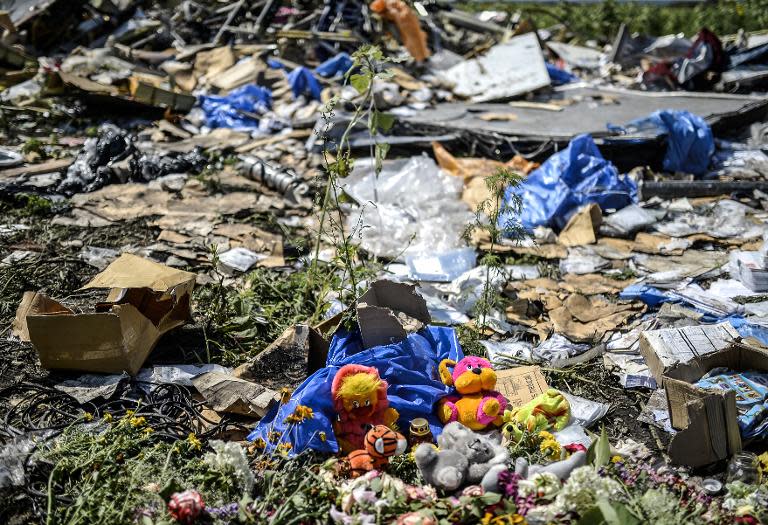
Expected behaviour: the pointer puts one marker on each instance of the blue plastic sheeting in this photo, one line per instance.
(690, 143)
(648, 294)
(558, 76)
(303, 82)
(226, 112)
(654, 297)
(576, 176)
(337, 65)
(410, 367)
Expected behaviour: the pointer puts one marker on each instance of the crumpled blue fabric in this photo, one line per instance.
(337, 65)
(302, 81)
(576, 176)
(558, 76)
(410, 367)
(690, 143)
(226, 111)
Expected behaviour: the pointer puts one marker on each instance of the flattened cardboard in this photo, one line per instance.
(388, 311)
(145, 301)
(131, 271)
(717, 425)
(226, 393)
(666, 348)
(521, 384)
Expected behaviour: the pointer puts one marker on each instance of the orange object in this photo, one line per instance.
(381, 443)
(411, 34)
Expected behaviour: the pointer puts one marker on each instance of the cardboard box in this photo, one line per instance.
(669, 347)
(521, 384)
(706, 418)
(145, 300)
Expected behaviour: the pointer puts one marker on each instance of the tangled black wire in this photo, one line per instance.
(43, 413)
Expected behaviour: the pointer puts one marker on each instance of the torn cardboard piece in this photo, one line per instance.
(667, 348)
(520, 385)
(706, 418)
(226, 393)
(582, 227)
(388, 311)
(288, 360)
(146, 300)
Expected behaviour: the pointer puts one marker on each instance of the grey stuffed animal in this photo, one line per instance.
(445, 469)
(484, 455)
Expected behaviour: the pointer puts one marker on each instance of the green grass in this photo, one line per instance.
(601, 21)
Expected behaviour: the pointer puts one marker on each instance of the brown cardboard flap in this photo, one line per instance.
(35, 303)
(131, 271)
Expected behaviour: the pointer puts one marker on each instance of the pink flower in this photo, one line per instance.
(415, 518)
(186, 506)
(473, 491)
(575, 447)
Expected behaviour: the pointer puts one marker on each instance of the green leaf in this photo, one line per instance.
(360, 82)
(170, 488)
(383, 121)
(380, 153)
(490, 498)
(599, 452)
(606, 513)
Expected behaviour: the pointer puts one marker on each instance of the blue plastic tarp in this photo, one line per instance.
(576, 176)
(558, 76)
(690, 143)
(337, 65)
(409, 367)
(226, 111)
(303, 82)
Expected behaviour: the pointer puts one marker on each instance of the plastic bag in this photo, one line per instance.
(690, 143)
(303, 82)
(410, 367)
(560, 76)
(411, 208)
(337, 65)
(569, 179)
(227, 111)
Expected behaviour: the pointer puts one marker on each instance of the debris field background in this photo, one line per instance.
(560, 182)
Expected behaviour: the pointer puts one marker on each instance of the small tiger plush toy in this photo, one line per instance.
(381, 443)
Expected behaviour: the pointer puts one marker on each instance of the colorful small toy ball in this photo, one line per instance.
(186, 506)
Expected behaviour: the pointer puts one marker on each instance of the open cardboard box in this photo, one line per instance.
(145, 300)
(706, 418)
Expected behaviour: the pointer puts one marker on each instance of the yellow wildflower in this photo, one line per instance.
(300, 414)
(137, 421)
(285, 395)
(551, 449)
(259, 444)
(544, 435)
(274, 436)
(284, 448)
(88, 416)
(194, 442)
(107, 417)
(505, 519)
(616, 459)
(147, 431)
